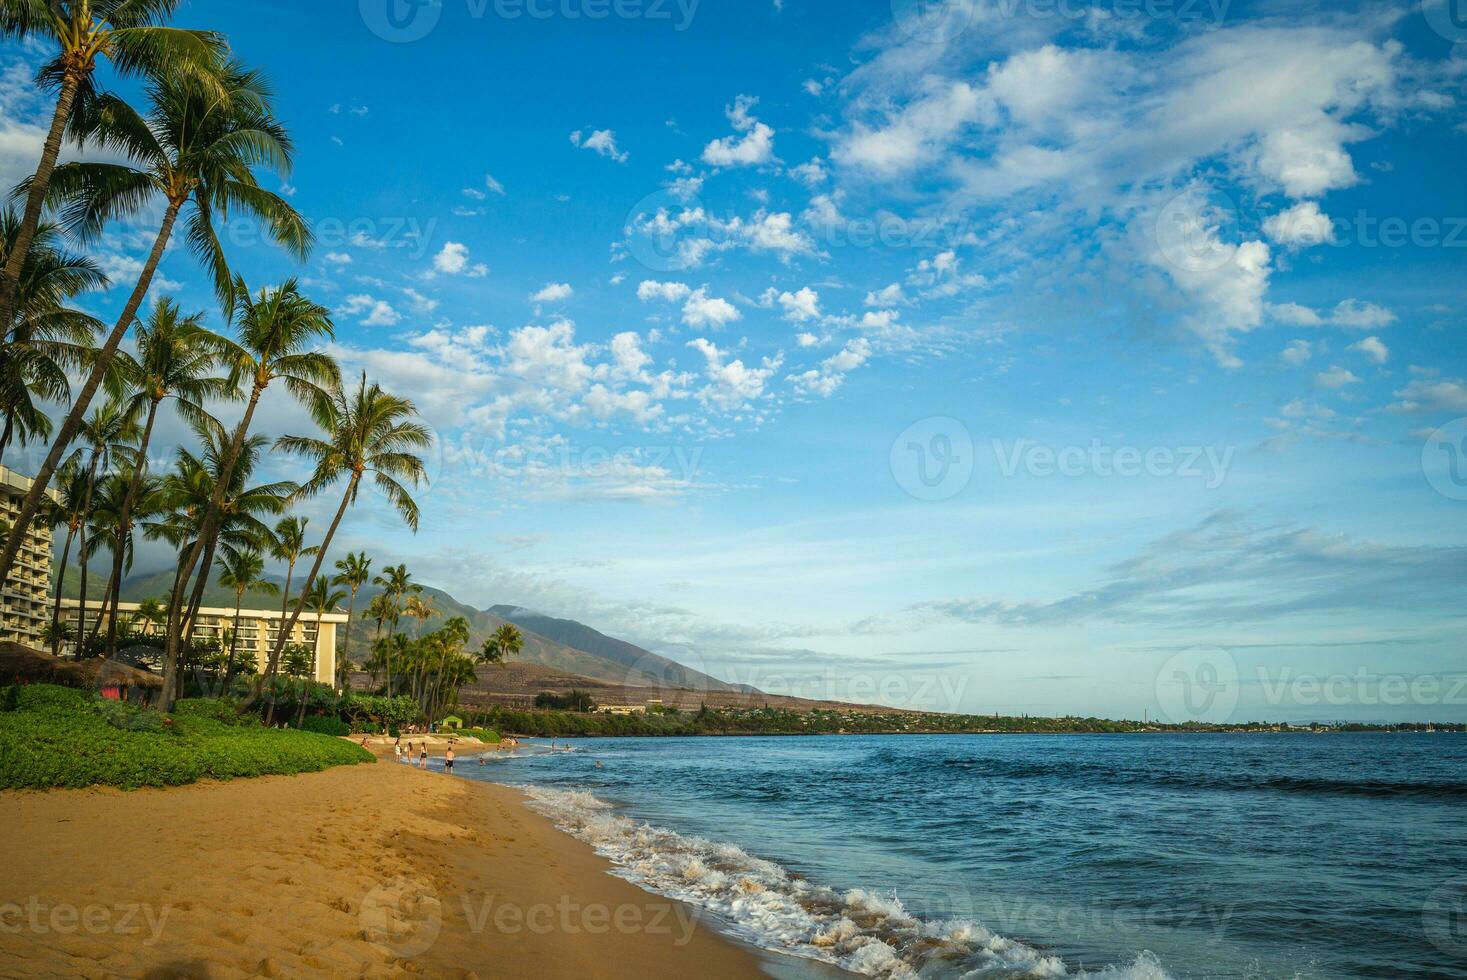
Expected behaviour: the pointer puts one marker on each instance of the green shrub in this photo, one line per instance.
(59, 737)
(325, 725)
(482, 734)
(223, 710)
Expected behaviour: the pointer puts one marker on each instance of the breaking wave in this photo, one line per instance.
(857, 930)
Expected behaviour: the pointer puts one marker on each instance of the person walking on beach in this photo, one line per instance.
(423, 757)
(448, 760)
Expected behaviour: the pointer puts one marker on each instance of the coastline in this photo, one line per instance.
(373, 870)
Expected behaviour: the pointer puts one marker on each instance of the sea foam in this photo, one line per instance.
(859, 930)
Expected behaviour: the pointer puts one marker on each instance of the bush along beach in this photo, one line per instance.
(62, 737)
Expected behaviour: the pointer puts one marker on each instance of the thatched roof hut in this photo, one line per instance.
(22, 665)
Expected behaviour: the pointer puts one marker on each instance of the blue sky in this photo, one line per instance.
(1012, 356)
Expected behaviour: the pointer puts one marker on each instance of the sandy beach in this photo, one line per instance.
(373, 870)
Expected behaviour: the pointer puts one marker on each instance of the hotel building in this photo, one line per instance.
(258, 631)
(25, 593)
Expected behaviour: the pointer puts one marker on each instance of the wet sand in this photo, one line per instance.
(371, 870)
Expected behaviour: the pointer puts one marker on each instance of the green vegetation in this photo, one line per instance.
(570, 701)
(55, 736)
(777, 721)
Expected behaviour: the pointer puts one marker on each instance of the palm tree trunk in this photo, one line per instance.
(285, 596)
(60, 587)
(300, 717)
(101, 610)
(345, 655)
(124, 526)
(5, 436)
(196, 600)
(226, 472)
(83, 400)
(233, 641)
(289, 628)
(86, 520)
(36, 199)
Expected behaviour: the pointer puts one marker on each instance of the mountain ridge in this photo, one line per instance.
(615, 661)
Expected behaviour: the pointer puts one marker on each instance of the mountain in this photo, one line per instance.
(596, 655)
(579, 636)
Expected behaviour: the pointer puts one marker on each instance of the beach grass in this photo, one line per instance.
(60, 737)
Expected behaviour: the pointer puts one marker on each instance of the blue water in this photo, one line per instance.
(1137, 856)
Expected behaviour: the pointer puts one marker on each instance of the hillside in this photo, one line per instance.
(605, 658)
(578, 636)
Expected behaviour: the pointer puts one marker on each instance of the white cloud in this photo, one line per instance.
(801, 305)
(553, 292)
(1300, 226)
(811, 173)
(755, 146)
(602, 141)
(702, 310)
(941, 276)
(1359, 315)
(650, 289)
(1298, 352)
(731, 385)
(494, 186)
(420, 304)
(1432, 395)
(453, 260)
(337, 258)
(886, 296)
(371, 311)
(1335, 377)
(825, 380)
(917, 134)
(1372, 348)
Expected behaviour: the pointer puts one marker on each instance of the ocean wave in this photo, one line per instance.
(858, 930)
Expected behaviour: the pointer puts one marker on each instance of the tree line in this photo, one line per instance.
(190, 149)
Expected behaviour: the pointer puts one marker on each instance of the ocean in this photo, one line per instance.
(1134, 857)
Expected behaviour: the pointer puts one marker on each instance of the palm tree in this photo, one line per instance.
(176, 358)
(243, 571)
(450, 640)
(290, 547)
(44, 339)
(396, 582)
(109, 532)
(367, 432)
(73, 490)
(55, 633)
(504, 643)
(130, 35)
(353, 572)
(105, 436)
(197, 146)
(192, 487)
(321, 599)
(242, 514)
(380, 609)
(150, 613)
(277, 329)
